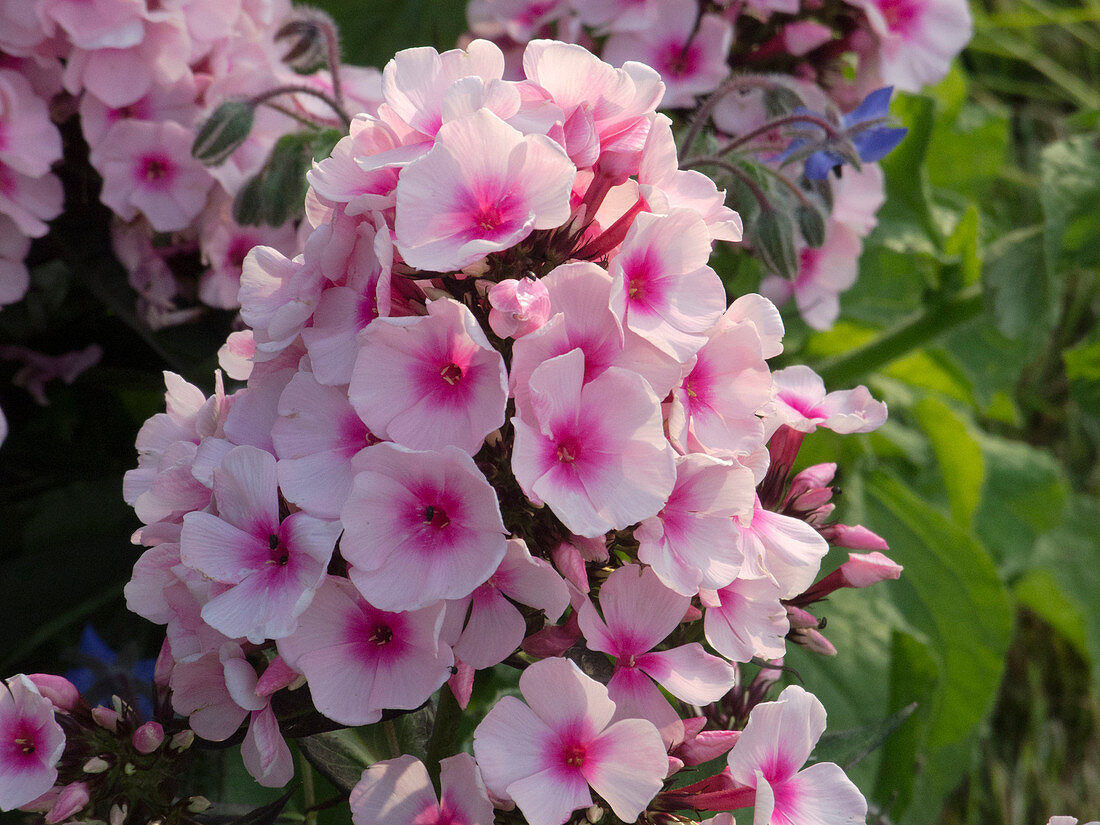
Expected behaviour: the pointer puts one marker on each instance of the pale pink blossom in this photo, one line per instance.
(662, 288)
(689, 51)
(546, 754)
(97, 24)
(30, 201)
(430, 381)
(269, 569)
(638, 614)
(595, 453)
(519, 307)
(31, 743)
(360, 660)
(745, 620)
(29, 141)
(803, 405)
(775, 743)
(278, 296)
(70, 801)
(420, 527)
(148, 168)
(482, 188)
(918, 38)
(692, 542)
(399, 791)
(786, 549)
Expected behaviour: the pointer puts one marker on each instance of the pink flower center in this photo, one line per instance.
(678, 59)
(381, 635)
(436, 517)
(901, 15)
(573, 755)
(25, 745)
(156, 171)
(451, 373)
(7, 182)
(20, 749)
(238, 251)
(279, 554)
(488, 217)
(804, 407)
(568, 451)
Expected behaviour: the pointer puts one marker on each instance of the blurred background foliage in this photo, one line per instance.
(974, 317)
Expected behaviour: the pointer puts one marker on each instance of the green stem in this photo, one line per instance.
(444, 738)
(939, 317)
(308, 795)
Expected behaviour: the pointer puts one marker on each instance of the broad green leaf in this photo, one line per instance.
(907, 196)
(1018, 288)
(951, 596)
(341, 756)
(958, 455)
(1040, 593)
(848, 748)
(963, 243)
(1070, 195)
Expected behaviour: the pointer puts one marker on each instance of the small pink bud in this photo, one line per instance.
(819, 475)
(813, 498)
(813, 640)
(57, 689)
(865, 569)
(675, 765)
(72, 798)
(148, 737)
(519, 307)
(803, 36)
(707, 745)
(854, 537)
(106, 718)
(800, 618)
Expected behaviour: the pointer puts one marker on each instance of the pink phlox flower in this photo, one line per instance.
(800, 37)
(666, 187)
(416, 81)
(725, 385)
(29, 200)
(595, 453)
(31, 743)
(519, 307)
(122, 75)
(483, 187)
(745, 619)
(235, 355)
(701, 745)
(520, 20)
(662, 288)
(788, 550)
(269, 569)
(278, 296)
(693, 542)
(148, 168)
(775, 743)
(29, 141)
(316, 437)
(15, 278)
(638, 614)
(399, 792)
(857, 197)
(254, 412)
(918, 38)
(176, 102)
(153, 574)
(264, 750)
(619, 15)
(495, 627)
(546, 754)
(688, 50)
(607, 111)
(431, 381)
(570, 556)
(201, 692)
(98, 24)
(360, 660)
(39, 369)
(802, 404)
(420, 526)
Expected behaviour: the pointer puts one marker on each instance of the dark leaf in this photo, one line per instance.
(773, 237)
(224, 131)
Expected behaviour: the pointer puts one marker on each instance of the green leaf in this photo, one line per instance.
(1040, 593)
(907, 192)
(341, 756)
(372, 30)
(1019, 291)
(811, 224)
(958, 455)
(773, 237)
(223, 132)
(951, 596)
(266, 814)
(1070, 195)
(848, 748)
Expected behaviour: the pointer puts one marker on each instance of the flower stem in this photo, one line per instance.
(301, 89)
(936, 319)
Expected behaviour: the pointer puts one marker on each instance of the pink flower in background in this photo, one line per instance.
(483, 187)
(31, 743)
(429, 382)
(775, 743)
(596, 452)
(420, 527)
(546, 754)
(918, 38)
(268, 569)
(802, 404)
(360, 660)
(399, 791)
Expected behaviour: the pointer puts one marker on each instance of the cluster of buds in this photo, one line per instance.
(74, 763)
(497, 413)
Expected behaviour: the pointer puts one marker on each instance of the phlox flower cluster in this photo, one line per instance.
(141, 78)
(498, 413)
(767, 75)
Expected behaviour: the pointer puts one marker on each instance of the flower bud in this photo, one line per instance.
(198, 804)
(223, 132)
(106, 718)
(118, 813)
(812, 640)
(57, 689)
(182, 740)
(854, 537)
(519, 307)
(594, 814)
(865, 569)
(72, 798)
(97, 764)
(148, 737)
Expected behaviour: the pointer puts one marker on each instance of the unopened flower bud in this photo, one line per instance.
(182, 740)
(812, 640)
(519, 307)
(594, 814)
(97, 764)
(118, 813)
(800, 618)
(106, 718)
(854, 537)
(72, 798)
(306, 37)
(148, 737)
(865, 569)
(57, 689)
(198, 804)
(129, 769)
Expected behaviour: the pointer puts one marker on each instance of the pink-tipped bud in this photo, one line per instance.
(106, 718)
(812, 640)
(865, 569)
(675, 765)
(803, 36)
(819, 475)
(800, 618)
(148, 737)
(707, 745)
(277, 675)
(57, 689)
(854, 537)
(72, 798)
(519, 307)
(812, 499)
